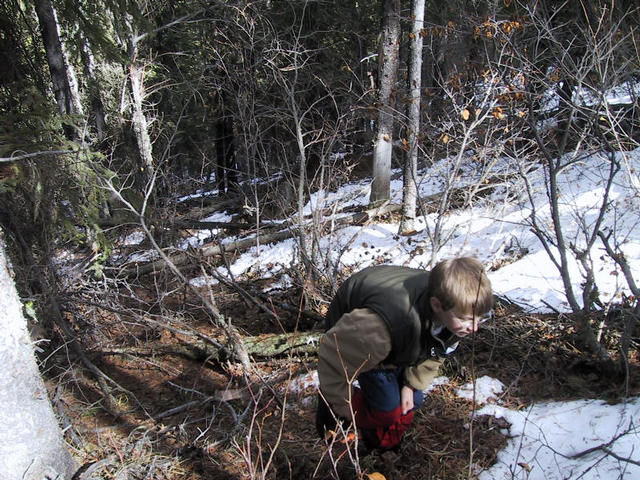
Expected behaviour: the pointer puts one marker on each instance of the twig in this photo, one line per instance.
(101, 377)
(243, 293)
(618, 457)
(316, 317)
(605, 448)
(86, 471)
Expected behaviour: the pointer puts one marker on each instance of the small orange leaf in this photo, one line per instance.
(376, 476)
(465, 114)
(350, 438)
(444, 138)
(386, 138)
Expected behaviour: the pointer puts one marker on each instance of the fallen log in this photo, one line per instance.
(181, 258)
(267, 345)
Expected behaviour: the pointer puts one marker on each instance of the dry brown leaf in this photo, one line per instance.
(525, 466)
(497, 113)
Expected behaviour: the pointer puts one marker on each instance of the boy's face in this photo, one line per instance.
(459, 324)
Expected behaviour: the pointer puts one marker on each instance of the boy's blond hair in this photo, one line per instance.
(461, 284)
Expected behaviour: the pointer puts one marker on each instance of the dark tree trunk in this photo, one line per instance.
(226, 170)
(60, 75)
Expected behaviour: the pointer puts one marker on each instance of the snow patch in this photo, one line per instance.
(486, 388)
(134, 238)
(569, 440)
(304, 381)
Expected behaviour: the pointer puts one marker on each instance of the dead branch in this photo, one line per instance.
(621, 260)
(316, 317)
(236, 346)
(182, 258)
(244, 294)
(203, 225)
(100, 376)
(226, 395)
(605, 447)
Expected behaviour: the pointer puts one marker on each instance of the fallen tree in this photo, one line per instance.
(181, 258)
(267, 345)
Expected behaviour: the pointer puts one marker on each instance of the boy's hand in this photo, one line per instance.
(406, 399)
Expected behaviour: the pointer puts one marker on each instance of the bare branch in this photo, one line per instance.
(22, 156)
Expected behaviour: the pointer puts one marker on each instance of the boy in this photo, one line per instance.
(390, 327)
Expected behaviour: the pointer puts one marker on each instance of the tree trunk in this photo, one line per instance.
(31, 444)
(409, 192)
(388, 70)
(62, 77)
(140, 124)
(97, 107)
(136, 84)
(226, 169)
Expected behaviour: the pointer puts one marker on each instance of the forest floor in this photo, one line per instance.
(175, 414)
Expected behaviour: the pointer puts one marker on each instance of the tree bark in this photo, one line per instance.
(31, 444)
(97, 107)
(62, 77)
(265, 346)
(409, 192)
(388, 70)
(139, 121)
(140, 124)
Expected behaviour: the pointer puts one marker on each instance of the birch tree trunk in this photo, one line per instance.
(31, 444)
(388, 70)
(140, 124)
(409, 191)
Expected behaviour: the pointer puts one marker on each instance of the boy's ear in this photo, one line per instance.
(436, 305)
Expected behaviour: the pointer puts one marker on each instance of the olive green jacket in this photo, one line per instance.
(380, 317)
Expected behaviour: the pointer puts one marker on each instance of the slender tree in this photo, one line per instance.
(388, 72)
(136, 84)
(409, 191)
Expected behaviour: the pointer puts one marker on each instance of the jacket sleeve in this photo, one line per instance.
(420, 376)
(358, 342)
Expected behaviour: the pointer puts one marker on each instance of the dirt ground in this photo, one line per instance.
(171, 414)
